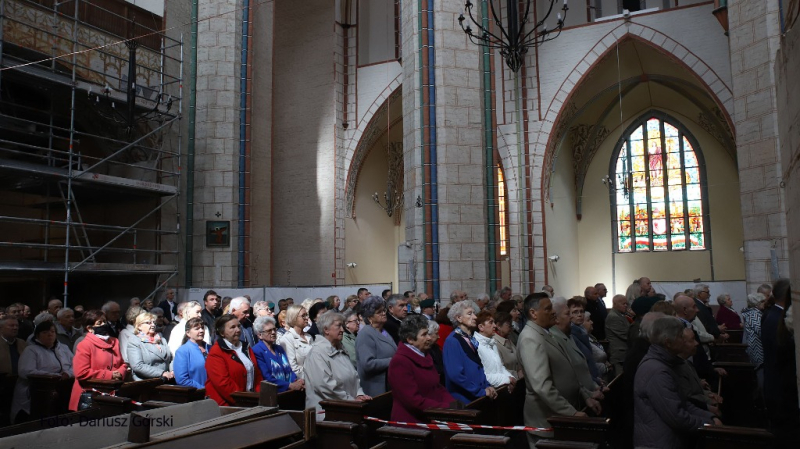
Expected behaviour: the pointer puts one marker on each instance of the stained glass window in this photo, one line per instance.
(659, 198)
(501, 202)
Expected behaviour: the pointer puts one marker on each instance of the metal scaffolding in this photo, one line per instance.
(90, 139)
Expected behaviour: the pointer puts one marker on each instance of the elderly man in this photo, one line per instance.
(66, 333)
(113, 317)
(428, 308)
(188, 310)
(663, 415)
(552, 386)
(705, 313)
(396, 311)
(562, 333)
(617, 326)
(457, 295)
(597, 308)
(240, 308)
(686, 310)
(54, 306)
(549, 290)
(17, 310)
(363, 294)
(11, 348)
(168, 305)
(482, 301)
(211, 311)
(263, 308)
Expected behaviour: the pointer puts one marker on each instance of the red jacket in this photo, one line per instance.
(415, 385)
(729, 318)
(444, 331)
(95, 358)
(227, 374)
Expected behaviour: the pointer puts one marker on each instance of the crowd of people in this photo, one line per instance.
(430, 356)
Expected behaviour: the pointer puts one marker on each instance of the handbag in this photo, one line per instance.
(85, 401)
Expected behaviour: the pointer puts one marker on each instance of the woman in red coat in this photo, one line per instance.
(231, 365)
(96, 356)
(412, 376)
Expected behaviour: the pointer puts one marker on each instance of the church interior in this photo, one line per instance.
(257, 146)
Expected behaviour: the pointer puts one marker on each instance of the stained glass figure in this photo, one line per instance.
(659, 198)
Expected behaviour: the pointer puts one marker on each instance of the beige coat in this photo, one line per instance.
(5, 354)
(617, 334)
(576, 358)
(552, 387)
(508, 353)
(329, 374)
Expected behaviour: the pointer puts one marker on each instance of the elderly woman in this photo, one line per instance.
(271, 358)
(726, 315)
(295, 341)
(351, 324)
(231, 365)
(45, 356)
(375, 347)
(148, 305)
(148, 353)
(464, 375)
(496, 373)
(599, 353)
(328, 372)
(189, 365)
(412, 375)
(97, 356)
(262, 308)
(752, 332)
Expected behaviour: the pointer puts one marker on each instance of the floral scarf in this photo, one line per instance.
(471, 338)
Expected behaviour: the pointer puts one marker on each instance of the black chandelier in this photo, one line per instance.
(513, 39)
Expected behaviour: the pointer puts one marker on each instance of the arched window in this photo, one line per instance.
(659, 174)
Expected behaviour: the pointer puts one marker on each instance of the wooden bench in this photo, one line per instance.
(405, 438)
(354, 412)
(735, 336)
(471, 441)
(139, 391)
(50, 395)
(728, 437)
(738, 388)
(729, 352)
(582, 429)
(268, 396)
(558, 444)
(178, 394)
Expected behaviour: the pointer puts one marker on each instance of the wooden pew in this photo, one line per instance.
(729, 352)
(405, 438)
(268, 396)
(739, 406)
(139, 391)
(728, 437)
(558, 444)
(50, 394)
(178, 394)
(354, 412)
(336, 434)
(471, 441)
(735, 336)
(573, 428)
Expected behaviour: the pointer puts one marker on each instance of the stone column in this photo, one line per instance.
(217, 138)
(446, 122)
(754, 39)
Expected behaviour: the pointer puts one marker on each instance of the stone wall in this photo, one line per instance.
(217, 138)
(754, 39)
(787, 66)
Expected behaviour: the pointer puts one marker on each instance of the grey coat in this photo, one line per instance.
(374, 351)
(663, 416)
(617, 334)
(148, 360)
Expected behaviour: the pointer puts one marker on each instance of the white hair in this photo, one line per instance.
(238, 302)
(63, 312)
(107, 306)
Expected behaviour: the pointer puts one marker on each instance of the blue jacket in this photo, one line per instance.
(189, 365)
(464, 376)
(274, 368)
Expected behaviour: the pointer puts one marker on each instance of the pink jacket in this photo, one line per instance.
(415, 386)
(95, 358)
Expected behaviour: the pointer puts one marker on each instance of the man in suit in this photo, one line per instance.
(552, 387)
(617, 332)
(705, 314)
(597, 307)
(397, 310)
(169, 306)
(113, 317)
(562, 332)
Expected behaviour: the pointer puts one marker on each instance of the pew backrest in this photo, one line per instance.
(573, 428)
(472, 441)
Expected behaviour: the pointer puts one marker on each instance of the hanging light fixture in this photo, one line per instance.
(518, 35)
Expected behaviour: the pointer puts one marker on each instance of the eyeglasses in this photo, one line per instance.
(148, 322)
(269, 331)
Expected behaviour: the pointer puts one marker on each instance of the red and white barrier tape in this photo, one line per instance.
(108, 394)
(442, 425)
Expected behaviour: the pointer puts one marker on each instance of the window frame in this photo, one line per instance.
(702, 173)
